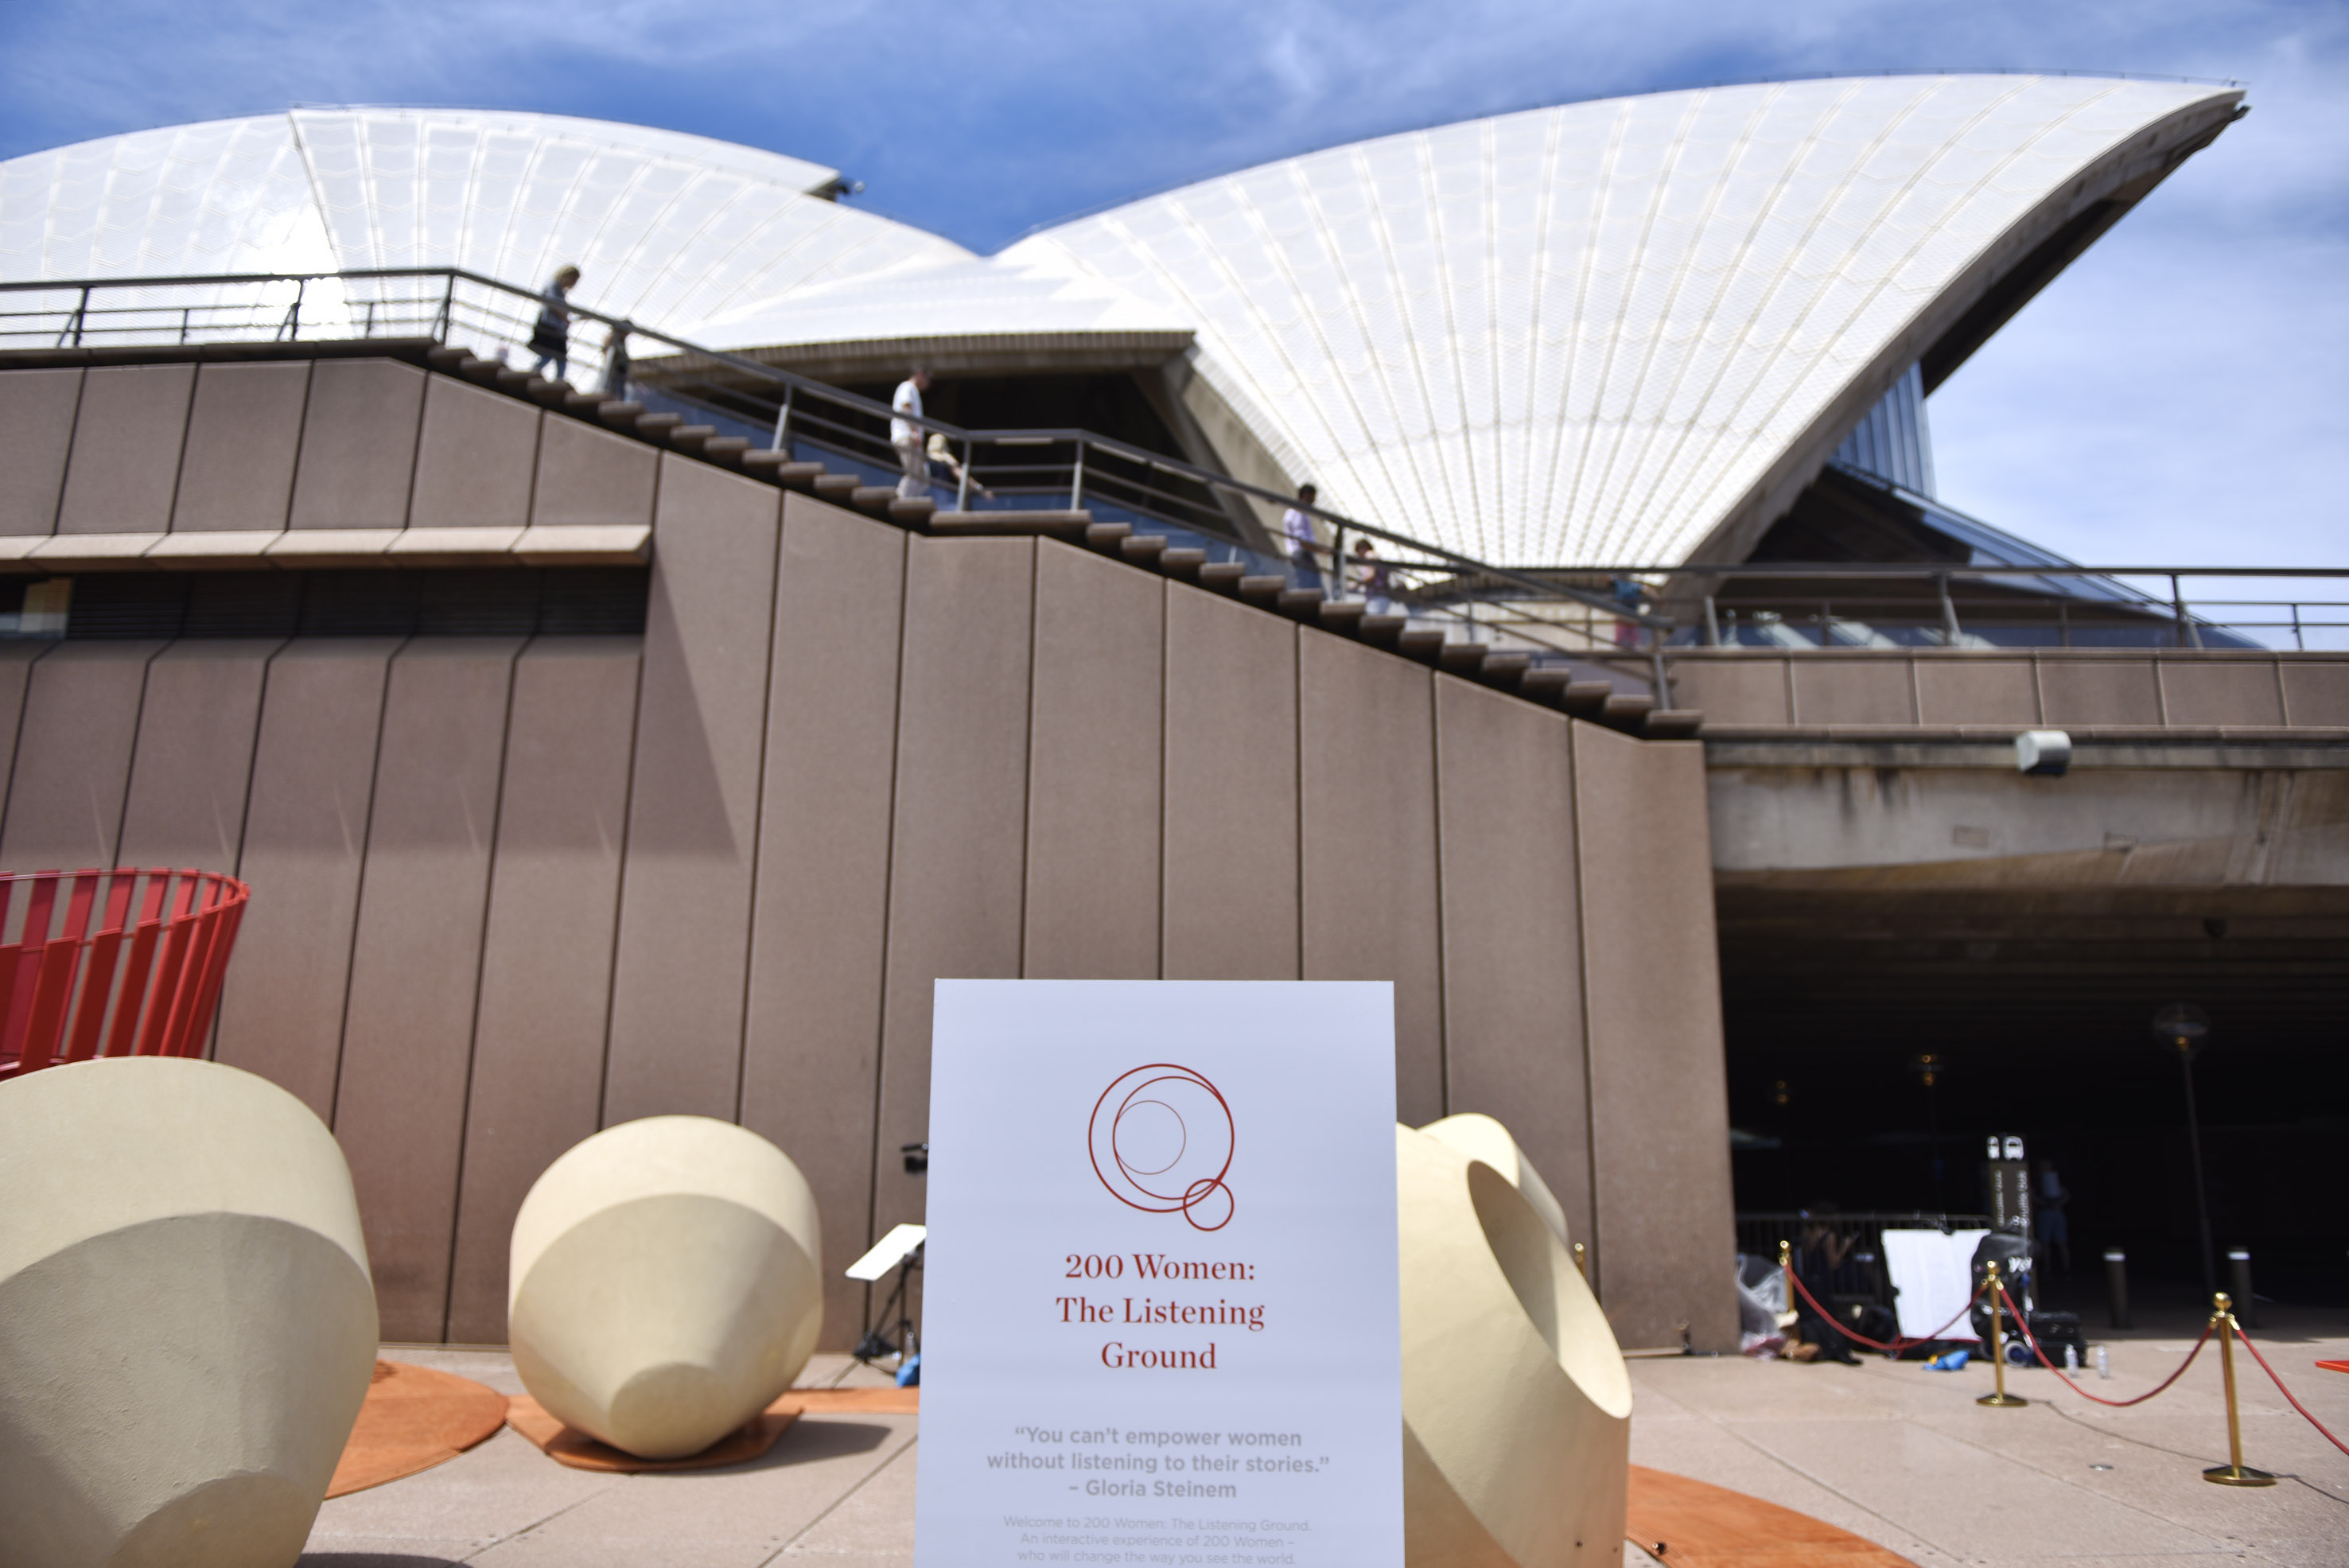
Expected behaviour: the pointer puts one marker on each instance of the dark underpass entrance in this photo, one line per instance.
(1876, 1036)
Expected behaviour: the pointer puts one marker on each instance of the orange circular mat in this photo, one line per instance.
(414, 1418)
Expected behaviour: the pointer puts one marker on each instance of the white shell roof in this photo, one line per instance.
(664, 227)
(1587, 334)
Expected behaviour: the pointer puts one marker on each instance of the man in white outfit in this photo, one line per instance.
(907, 436)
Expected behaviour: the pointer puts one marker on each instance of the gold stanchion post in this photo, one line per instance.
(1998, 1345)
(2232, 1473)
(1581, 1263)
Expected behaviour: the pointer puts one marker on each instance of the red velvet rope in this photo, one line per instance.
(2116, 1404)
(2286, 1392)
(1900, 1343)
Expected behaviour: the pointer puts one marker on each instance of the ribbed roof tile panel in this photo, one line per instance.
(1588, 332)
(664, 227)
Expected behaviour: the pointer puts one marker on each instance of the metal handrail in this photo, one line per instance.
(803, 387)
(1429, 580)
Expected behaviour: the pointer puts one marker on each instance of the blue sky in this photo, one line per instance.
(2182, 393)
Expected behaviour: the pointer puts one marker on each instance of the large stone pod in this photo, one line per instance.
(187, 1325)
(664, 1283)
(1516, 1406)
(1479, 1136)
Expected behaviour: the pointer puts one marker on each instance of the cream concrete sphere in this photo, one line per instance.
(187, 1324)
(1516, 1404)
(1479, 1136)
(666, 1284)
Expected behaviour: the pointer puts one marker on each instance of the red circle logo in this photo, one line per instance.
(1162, 1142)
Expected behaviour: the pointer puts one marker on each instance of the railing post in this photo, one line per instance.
(1077, 484)
(448, 306)
(1337, 564)
(2298, 642)
(1712, 624)
(183, 324)
(80, 315)
(962, 490)
(1950, 632)
(783, 420)
(2187, 636)
(1663, 680)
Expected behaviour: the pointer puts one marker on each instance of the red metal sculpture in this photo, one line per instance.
(145, 982)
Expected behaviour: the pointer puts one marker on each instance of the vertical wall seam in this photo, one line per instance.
(2283, 694)
(358, 898)
(888, 904)
(73, 438)
(244, 816)
(301, 439)
(1589, 1051)
(758, 809)
(1027, 752)
(627, 821)
(1442, 974)
(1916, 693)
(480, 969)
(1165, 658)
(1296, 763)
(416, 453)
(538, 457)
(2160, 693)
(2038, 689)
(180, 468)
(1793, 713)
(113, 856)
(16, 743)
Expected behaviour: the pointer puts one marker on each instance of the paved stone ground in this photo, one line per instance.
(1896, 1453)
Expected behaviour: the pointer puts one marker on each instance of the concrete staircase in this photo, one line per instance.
(1596, 701)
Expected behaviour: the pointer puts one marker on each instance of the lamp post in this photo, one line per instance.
(2182, 1027)
(1929, 1068)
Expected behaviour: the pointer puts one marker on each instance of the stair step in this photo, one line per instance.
(1546, 684)
(620, 416)
(554, 394)
(1343, 617)
(690, 438)
(444, 358)
(1300, 604)
(514, 380)
(725, 449)
(837, 487)
(1223, 577)
(654, 427)
(1462, 658)
(474, 368)
(1263, 590)
(1504, 669)
(770, 463)
(1586, 698)
(1142, 549)
(1673, 723)
(1420, 642)
(1626, 713)
(1380, 631)
(1183, 562)
(1009, 521)
(1107, 536)
(584, 403)
(912, 512)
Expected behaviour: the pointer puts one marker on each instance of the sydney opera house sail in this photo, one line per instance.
(1632, 330)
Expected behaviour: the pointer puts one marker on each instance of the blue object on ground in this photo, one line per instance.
(909, 1375)
(1949, 1363)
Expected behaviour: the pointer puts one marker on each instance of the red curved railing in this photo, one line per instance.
(123, 962)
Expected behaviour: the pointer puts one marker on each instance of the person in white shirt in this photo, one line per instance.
(1298, 524)
(906, 436)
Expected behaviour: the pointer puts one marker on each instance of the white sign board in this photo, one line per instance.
(1934, 1276)
(1161, 1322)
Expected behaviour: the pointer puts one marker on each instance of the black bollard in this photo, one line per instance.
(2239, 1270)
(2117, 1285)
